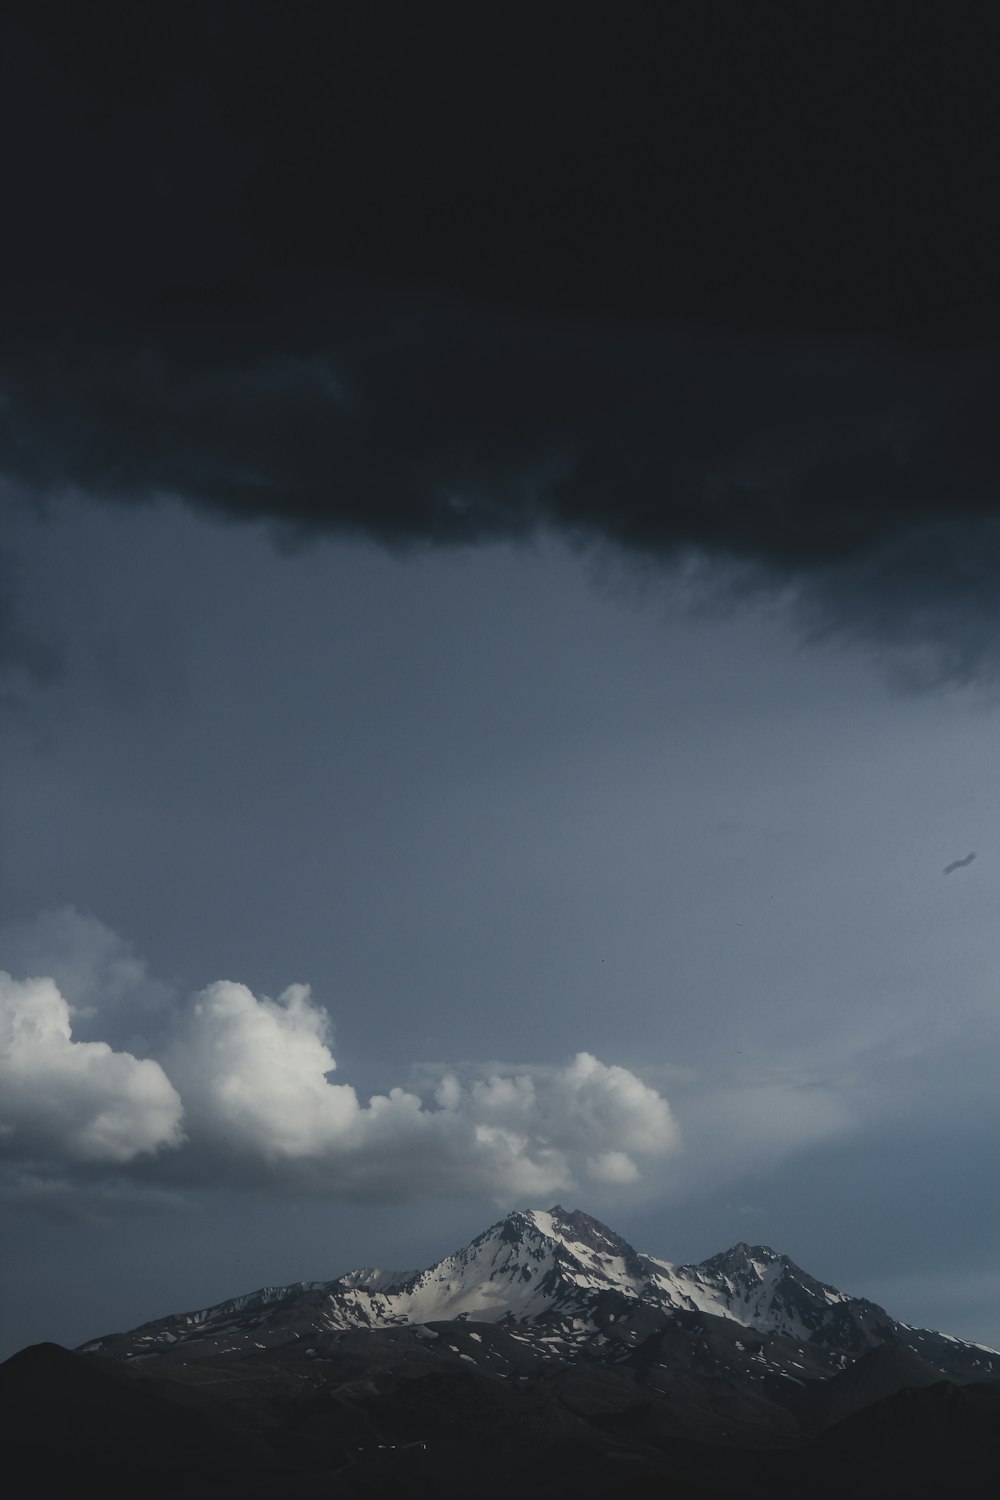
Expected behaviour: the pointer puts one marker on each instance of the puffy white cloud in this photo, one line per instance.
(251, 1077)
(600, 1105)
(254, 1076)
(253, 1073)
(79, 1100)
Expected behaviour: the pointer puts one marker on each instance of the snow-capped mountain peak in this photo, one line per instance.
(566, 1280)
(547, 1322)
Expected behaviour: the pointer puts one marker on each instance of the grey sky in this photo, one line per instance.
(573, 655)
(497, 806)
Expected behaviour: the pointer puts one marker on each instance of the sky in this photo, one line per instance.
(498, 649)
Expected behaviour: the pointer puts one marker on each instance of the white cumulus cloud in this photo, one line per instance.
(252, 1073)
(251, 1078)
(254, 1076)
(79, 1100)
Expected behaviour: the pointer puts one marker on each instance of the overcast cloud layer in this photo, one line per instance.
(768, 335)
(857, 480)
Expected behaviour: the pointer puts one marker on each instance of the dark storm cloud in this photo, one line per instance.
(686, 301)
(867, 476)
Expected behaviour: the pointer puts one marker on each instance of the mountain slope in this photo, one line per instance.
(67, 1417)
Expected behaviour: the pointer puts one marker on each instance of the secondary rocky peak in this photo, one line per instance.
(742, 1254)
(749, 1266)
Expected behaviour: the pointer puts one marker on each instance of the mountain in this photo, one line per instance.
(567, 1282)
(548, 1356)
